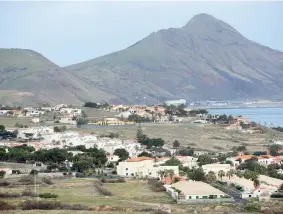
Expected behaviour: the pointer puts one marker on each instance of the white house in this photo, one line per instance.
(186, 192)
(141, 167)
(58, 107)
(34, 113)
(67, 120)
(198, 153)
(3, 112)
(188, 161)
(248, 188)
(35, 120)
(74, 111)
(215, 167)
(175, 102)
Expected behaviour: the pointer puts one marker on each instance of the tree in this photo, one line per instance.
(221, 174)
(185, 152)
(176, 144)
(171, 174)
(140, 136)
(172, 162)
(210, 177)
(161, 174)
(2, 128)
(122, 153)
(230, 173)
(256, 183)
(281, 188)
(205, 159)
(82, 166)
(145, 154)
(196, 174)
(2, 174)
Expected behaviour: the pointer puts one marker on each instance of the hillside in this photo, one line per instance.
(205, 59)
(27, 77)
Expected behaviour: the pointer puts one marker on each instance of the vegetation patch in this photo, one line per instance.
(6, 206)
(101, 189)
(48, 195)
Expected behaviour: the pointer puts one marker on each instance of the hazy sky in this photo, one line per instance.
(71, 32)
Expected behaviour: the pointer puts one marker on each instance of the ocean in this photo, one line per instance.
(271, 117)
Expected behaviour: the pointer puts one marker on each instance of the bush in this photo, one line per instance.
(156, 185)
(47, 180)
(28, 193)
(9, 195)
(80, 175)
(277, 195)
(26, 180)
(159, 211)
(41, 205)
(51, 205)
(48, 195)
(253, 207)
(5, 206)
(101, 189)
(113, 180)
(4, 183)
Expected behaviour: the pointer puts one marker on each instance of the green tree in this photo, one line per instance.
(230, 173)
(161, 174)
(122, 153)
(140, 136)
(176, 144)
(205, 159)
(196, 175)
(82, 166)
(172, 162)
(2, 128)
(144, 154)
(2, 174)
(221, 174)
(211, 177)
(256, 183)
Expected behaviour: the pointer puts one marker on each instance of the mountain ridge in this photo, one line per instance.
(205, 59)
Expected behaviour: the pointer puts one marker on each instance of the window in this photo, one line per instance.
(190, 197)
(126, 169)
(127, 174)
(197, 197)
(250, 196)
(150, 173)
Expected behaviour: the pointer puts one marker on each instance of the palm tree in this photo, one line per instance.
(230, 173)
(211, 177)
(171, 174)
(221, 174)
(161, 173)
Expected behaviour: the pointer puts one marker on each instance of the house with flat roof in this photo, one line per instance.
(194, 192)
(216, 167)
(142, 167)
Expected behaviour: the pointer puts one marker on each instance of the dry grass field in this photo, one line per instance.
(130, 197)
(211, 137)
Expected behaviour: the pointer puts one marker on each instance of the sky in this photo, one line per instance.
(72, 32)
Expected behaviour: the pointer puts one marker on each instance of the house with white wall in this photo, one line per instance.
(34, 132)
(194, 192)
(216, 167)
(142, 167)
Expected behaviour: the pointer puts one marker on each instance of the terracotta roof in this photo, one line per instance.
(138, 159)
(243, 157)
(167, 180)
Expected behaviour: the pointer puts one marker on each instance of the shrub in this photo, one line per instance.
(156, 185)
(9, 195)
(47, 180)
(159, 211)
(4, 183)
(41, 205)
(48, 195)
(101, 189)
(80, 175)
(33, 172)
(277, 195)
(51, 205)
(5, 206)
(253, 207)
(28, 193)
(26, 180)
(113, 180)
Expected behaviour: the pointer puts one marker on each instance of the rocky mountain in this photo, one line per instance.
(205, 59)
(26, 77)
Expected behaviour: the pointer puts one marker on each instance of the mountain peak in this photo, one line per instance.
(205, 24)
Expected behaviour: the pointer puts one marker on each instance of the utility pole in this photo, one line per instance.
(93, 195)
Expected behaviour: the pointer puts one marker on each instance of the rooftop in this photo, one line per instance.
(196, 188)
(138, 159)
(270, 181)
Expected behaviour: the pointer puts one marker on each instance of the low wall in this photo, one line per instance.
(205, 201)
